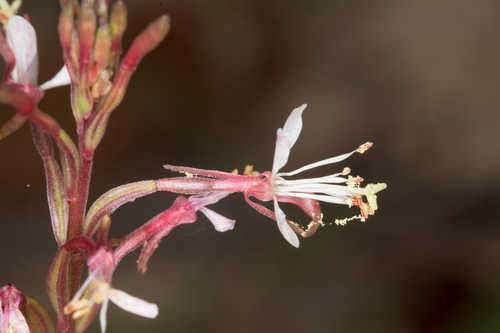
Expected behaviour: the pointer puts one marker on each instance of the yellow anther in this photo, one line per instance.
(249, 171)
(364, 147)
(75, 306)
(8, 10)
(80, 313)
(346, 171)
(234, 172)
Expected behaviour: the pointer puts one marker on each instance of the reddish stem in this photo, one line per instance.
(77, 207)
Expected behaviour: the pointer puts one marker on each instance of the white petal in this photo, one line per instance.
(330, 160)
(21, 37)
(62, 78)
(285, 229)
(18, 322)
(286, 137)
(102, 315)
(221, 223)
(293, 124)
(133, 304)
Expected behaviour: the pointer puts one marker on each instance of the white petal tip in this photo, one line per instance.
(284, 227)
(293, 240)
(133, 304)
(220, 223)
(62, 78)
(301, 108)
(153, 312)
(21, 38)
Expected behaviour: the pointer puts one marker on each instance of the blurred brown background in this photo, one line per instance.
(419, 78)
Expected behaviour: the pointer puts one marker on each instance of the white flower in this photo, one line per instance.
(21, 37)
(11, 318)
(322, 188)
(99, 291)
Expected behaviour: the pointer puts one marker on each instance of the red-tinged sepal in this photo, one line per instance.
(39, 319)
(81, 244)
(194, 203)
(12, 125)
(16, 98)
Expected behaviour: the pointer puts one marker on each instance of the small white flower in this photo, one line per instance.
(99, 291)
(21, 37)
(322, 188)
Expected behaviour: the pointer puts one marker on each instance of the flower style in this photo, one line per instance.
(12, 319)
(22, 41)
(97, 290)
(322, 188)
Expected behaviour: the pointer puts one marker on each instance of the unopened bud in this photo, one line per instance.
(102, 50)
(147, 41)
(102, 9)
(86, 35)
(118, 20)
(82, 101)
(118, 24)
(66, 23)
